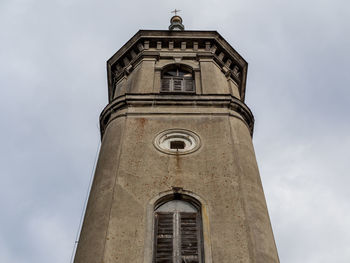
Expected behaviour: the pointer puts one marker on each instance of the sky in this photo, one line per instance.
(53, 87)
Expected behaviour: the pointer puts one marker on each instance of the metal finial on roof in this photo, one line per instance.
(176, 22)
(176, 11)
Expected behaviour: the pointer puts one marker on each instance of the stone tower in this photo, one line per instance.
(177, 178)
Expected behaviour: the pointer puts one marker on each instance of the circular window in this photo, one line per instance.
(177, 141)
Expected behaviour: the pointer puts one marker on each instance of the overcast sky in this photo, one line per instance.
(53, 57)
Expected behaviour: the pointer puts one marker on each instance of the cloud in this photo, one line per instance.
(53, 87)
(307, 197)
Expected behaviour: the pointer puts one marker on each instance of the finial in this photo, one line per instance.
(176, 22)
(175, 11)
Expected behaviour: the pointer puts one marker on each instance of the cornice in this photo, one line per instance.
(187, 34)
(170, 105)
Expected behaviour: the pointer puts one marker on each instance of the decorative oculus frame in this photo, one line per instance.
(177, 141)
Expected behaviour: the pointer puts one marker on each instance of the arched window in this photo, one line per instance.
(178, 233)
(177, 79)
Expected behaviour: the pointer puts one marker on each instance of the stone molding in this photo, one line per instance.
(195, 104)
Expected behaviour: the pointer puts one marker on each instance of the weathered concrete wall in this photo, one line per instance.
(223, 171)
(93, 235)
(213, 80)
(141, 81)
(234, 89)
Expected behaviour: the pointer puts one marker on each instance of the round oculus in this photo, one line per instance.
(177, 141)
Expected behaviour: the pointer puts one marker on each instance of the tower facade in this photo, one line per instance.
(177, 178)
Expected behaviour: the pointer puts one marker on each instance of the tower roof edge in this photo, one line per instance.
(173, 34)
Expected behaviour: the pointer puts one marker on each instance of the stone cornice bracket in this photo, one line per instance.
(227, 72)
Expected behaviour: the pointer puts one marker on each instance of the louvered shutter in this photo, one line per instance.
(164, 237)
(177, 84)
(188, 85)
(190, 237)
(165, 84)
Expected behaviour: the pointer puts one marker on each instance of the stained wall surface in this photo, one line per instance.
(131, 171)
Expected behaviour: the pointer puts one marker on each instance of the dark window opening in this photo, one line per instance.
(177, 79)
(177, 145)
(178, 233)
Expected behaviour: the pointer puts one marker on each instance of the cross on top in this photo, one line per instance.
(175, 11)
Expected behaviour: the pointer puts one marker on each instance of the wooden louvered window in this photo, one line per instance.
(178, 233)
(177, 80)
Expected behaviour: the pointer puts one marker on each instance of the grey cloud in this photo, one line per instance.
(53, 87)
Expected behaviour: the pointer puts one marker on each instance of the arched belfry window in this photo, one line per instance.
(178, 233)
(177, 78)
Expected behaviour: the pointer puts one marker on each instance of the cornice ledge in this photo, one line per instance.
(146, 100)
